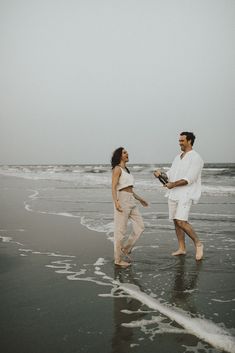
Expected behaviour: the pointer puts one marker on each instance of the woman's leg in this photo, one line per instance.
(120, 226)
(138, 228)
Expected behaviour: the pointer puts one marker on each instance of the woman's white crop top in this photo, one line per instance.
(125, 180)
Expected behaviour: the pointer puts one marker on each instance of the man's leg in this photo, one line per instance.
(173, 207)
(188, 229)
(181, 240)
(181, 221)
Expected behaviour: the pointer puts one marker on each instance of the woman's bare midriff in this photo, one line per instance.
(127, 189)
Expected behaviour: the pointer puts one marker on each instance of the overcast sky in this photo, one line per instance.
(79, 78)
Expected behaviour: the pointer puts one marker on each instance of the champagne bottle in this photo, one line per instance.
(163, 178)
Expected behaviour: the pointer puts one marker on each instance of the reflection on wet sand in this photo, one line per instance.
(185, 283)
(123, 337)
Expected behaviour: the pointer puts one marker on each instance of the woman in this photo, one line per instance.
(124, 207)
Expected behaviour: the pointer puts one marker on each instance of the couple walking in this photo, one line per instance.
(183, 186)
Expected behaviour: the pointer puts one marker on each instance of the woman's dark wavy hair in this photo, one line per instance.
(189, 136)
(116, 158)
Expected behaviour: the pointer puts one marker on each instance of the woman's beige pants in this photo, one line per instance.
(129, 211)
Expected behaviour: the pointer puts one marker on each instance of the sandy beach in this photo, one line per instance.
(41, 310)
(60, 292)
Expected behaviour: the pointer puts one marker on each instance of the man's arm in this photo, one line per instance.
(176, 183)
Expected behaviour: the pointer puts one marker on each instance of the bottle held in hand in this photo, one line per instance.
(163, 178)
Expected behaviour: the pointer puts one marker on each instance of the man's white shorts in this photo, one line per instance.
(179, 209)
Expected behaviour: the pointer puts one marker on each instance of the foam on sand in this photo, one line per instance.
(5, 239)
(202, 328)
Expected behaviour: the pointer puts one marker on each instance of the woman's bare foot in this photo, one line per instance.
(123, 264)
(179, 252)
(199, 251)
(127, 253)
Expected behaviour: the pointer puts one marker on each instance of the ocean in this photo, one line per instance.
(88, 186)
(162, 300)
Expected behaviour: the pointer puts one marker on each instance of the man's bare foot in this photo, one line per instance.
(199, 251)
(123, 264)
(179, 252)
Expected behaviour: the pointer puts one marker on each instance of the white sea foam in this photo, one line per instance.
(200, 347)
(212, 216)
(27, 207)
(160, 327)
(218, 190)
(46, 253)
(97, 225)
(59, 255)
(88, 176)
(64, 267)
(132, 345)
(100, 262)
(202, 328)
(75, 277)
(223, 301)
(129, 312)
(5, 239)
(141, 323)
(34, 195)
(64, 214)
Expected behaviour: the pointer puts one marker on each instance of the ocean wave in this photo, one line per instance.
(99, 176)
(218, 190)
(98, 225)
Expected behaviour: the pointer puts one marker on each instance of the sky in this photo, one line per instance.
(79, 78)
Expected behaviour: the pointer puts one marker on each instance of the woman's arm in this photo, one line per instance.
(115, 178)
(142, 201)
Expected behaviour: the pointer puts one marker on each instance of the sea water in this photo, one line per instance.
(176, 295)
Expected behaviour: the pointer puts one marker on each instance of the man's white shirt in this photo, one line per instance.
(188, 168)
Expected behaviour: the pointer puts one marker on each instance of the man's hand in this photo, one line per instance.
(157, 173)
(169, 185)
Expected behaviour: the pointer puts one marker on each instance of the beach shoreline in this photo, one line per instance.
(62, 293)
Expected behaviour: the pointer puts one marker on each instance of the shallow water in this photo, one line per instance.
(163, 300)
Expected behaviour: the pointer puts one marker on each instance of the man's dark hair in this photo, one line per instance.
(189, 136)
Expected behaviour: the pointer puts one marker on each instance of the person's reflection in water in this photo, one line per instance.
(183, 293)
(123, 337)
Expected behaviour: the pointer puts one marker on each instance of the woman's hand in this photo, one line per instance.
(118, 206)
(143, 202)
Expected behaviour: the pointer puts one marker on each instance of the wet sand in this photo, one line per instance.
(60, 291)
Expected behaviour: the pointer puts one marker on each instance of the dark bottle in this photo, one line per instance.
(163, 178)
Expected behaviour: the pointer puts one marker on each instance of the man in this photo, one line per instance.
(184, 188)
